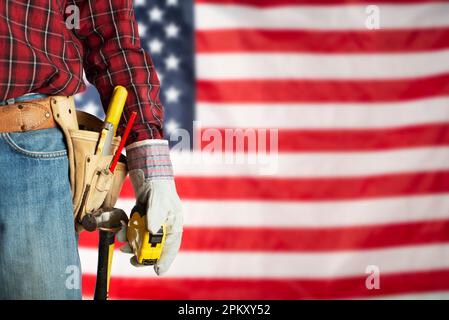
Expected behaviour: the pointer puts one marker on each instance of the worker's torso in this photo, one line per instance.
(39, 52)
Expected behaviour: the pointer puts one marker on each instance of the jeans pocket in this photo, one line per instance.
(44, 144)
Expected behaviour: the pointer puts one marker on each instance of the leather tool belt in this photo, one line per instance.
(93, 186)
(26, 116)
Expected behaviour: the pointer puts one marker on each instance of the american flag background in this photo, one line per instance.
(361, 185)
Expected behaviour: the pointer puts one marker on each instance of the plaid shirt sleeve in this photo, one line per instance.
(113, 56)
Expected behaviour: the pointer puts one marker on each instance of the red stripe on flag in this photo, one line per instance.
(344, 140)
(285, 91)
(307, 189)
(313, 189)
(201, 288)
(90, 240)
(314, 240)
(305, 239)
(222, 41)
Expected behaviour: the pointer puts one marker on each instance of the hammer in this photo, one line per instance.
(108, 222)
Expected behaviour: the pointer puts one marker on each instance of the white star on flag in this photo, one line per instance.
(173, 3)
(142, 29)
(172, 62)
(156, 46)
(172, 94)
(156, 14)
(160, 77)
(172, 30)
(171, 126)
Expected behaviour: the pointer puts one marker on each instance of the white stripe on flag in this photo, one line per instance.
(321, 66)
(323, 164)
(282, 265)
(324, 115)
(416, 296)
(328, 214)
(337, 17)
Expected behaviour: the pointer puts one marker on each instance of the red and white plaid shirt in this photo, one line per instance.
(39, 53)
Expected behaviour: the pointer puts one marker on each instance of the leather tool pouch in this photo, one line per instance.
(93, 185)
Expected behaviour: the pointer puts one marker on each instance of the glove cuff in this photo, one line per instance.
(152, 157)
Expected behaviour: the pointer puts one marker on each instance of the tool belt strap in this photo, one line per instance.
(27, 116)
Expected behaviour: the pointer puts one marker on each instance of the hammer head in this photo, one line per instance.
(109, 219)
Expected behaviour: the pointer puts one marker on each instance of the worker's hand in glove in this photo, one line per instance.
(151, 174)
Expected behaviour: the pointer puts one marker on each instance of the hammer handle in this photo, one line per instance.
(105, 252)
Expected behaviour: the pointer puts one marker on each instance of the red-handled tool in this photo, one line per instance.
(122, 143)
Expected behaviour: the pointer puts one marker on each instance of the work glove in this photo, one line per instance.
(151, 174)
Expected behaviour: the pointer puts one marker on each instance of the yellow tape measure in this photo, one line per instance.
(147, 247)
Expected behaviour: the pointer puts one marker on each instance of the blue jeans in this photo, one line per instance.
(38, 246)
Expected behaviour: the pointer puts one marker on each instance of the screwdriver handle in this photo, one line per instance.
(116, 106)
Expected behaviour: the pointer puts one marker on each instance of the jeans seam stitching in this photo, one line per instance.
(13, 145)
